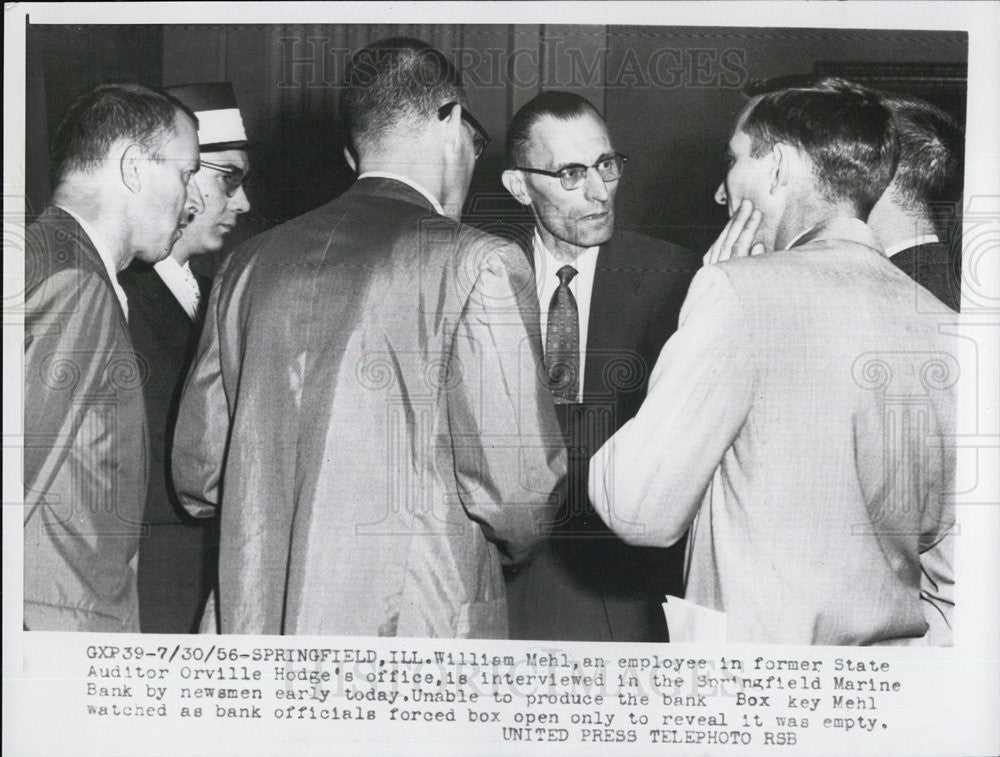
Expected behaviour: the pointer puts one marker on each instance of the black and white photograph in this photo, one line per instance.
(616, 378)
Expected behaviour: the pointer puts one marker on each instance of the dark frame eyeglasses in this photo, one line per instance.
(232, 176)
(482, 139)
(573, 176)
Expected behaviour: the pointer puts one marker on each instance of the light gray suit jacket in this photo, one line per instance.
(816, 398)
(365, 409)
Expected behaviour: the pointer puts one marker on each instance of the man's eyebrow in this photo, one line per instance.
(573, 164)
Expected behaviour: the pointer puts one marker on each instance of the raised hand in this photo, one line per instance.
(736, 239)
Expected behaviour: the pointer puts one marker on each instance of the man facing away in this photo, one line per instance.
(124, 162)
(608, 299)
(815, 400)
(365, 394)
(177, 557)
(928, 182)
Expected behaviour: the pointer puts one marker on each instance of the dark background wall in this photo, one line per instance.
(670, 95)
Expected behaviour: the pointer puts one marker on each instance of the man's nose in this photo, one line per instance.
(194, 202)
(239, 202)
(720, 194)
(594, 186)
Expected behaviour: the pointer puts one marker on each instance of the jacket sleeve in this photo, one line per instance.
(937, 590)
(508, 451)
(202, 426)
(647, 481)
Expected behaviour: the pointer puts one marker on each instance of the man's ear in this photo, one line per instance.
(784, 161)
(513, 180)
(452, 124)
(349, 157)
(132, 161)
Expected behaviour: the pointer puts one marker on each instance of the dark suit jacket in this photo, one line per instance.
(84, 437)
(164, 338)
(936, 268)
(585, 583)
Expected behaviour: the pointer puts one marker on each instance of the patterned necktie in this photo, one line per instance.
(562, 340)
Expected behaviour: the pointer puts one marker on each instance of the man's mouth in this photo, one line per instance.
(595, 216)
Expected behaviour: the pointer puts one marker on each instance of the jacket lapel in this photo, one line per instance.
(611, 331)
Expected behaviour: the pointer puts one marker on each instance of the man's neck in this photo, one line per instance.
(104, 222)
(180, 252)
(797, 222)
(894, 225)
(427, 175)
(560, 249)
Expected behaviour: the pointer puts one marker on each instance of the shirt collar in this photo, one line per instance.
(917, 241)
(179, 279)
(842, 227)
(409, 182)
(104, 252)
(169, 266)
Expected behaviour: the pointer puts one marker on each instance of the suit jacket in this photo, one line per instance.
(936, 268)
(586, 583)
(85, 438)
(365, 398)
(816, 405)
(164, 337)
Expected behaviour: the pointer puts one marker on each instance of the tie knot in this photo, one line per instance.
(566, 274)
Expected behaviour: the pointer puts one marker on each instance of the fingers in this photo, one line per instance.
(744, 240)
(736, 238)
(733, 230)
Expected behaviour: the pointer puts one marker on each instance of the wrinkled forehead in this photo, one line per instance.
(582, 139)
(237, 159)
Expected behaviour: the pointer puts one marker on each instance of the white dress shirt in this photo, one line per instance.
(582, 287)
(408, 182)
(106, 257)
(917, 241)
(181, 283)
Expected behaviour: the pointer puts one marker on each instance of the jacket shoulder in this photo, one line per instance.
(54, 244)
(650, 253)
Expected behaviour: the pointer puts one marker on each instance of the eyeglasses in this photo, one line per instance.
(232, 177)
(574, 175)
(482, 139)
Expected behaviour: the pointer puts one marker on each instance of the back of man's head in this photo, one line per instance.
(845, 130)
(105, 115)
(564, 106)
(393, 84)
(931, 156)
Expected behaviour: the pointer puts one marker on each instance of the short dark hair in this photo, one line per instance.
(106, 114)
(846, 131)
(392, 82)
(931, 155)
(562, 105)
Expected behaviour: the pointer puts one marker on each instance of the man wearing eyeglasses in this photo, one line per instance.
(609, 300)
(166, 303)
(365, 396)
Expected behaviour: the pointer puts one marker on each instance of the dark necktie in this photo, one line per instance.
(562, 340)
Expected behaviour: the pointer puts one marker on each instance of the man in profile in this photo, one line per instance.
(364, 399)
(176, 556)
(608, 299)
(124, 163)
(816, 404)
